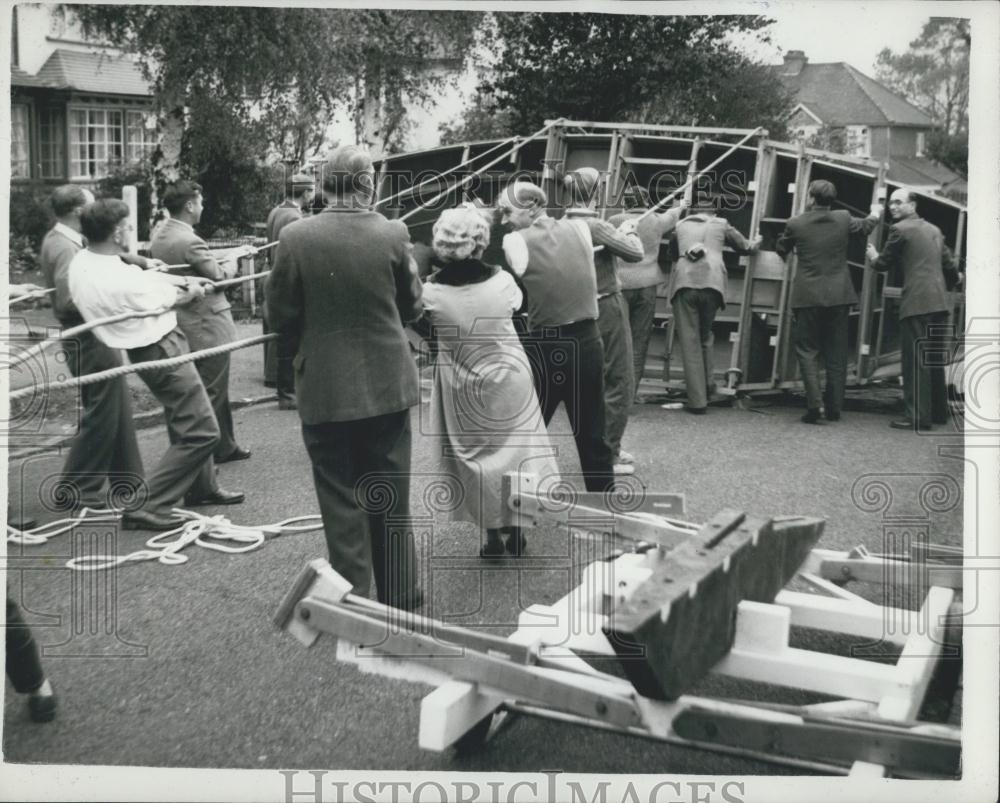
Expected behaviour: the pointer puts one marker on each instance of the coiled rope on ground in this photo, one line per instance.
(217, 533)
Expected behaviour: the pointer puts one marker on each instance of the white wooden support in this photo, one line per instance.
(761, 653)
(920, 654)
(847, 616)
(451, 710)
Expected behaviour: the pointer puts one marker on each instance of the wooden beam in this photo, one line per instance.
(920, 655)
(562, 690)
(451, 710)
(681, 621)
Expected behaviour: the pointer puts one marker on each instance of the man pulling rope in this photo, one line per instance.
(101, 284)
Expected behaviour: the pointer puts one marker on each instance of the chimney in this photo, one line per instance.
(795, 60)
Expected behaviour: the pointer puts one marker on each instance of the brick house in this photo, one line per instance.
(873, 121)
(78, 110)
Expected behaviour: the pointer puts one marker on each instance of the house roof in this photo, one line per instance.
(87, 72)
(921, 171)
(841, 95)
(19, 77)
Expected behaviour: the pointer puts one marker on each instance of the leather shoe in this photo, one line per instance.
(42, 706)
(811, 417)
(238, 453)
(219, 497)
(906, 423)
(287, 403)
(696, 410)
(146, 520)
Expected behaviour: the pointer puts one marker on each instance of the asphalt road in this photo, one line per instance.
(180, 666)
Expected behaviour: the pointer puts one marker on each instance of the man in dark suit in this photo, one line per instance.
(697, 292)
(822, 294)
(278, 354)
(342, 285)
(207, 322)
(918, 249)
(105, 446)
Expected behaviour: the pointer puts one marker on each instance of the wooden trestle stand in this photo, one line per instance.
(690, 600)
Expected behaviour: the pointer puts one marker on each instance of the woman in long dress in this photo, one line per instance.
(484, 411)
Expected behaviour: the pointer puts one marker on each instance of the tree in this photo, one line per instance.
(258, 82)
(682, 70)
(934, 76)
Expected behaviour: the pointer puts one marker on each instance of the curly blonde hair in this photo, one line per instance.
(460, 234)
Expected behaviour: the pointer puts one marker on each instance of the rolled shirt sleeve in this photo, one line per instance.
(515, 249)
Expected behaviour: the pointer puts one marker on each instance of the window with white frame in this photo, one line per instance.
(51, 143)
(141, 136)
(20, 153)
(858, 141)
(96, 141)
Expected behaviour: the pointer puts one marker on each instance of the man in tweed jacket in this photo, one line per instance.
(342, 285)
(207, 322)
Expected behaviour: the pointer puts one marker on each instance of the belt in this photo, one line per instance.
(603, 296)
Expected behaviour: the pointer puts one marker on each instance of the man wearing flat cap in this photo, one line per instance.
(342, 285)
(299, 192)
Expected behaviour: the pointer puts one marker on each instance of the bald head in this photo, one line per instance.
(584, 182)
(521, 204)
(902, 204)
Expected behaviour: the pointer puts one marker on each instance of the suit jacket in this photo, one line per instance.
(342, 285)
(710, 270)
(820, 238)
(207, 322)
(917, 247)
(56, 253)
(281, 216)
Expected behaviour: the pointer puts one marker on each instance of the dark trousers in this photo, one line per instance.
(619, 381)
(567, 365)
(214, 373)
(694, 313)
(278, 356)
(23, 664)
(924, 350)
(187, 465)
(105, 446)
(821, 340)
(361, 470)
(641, 306)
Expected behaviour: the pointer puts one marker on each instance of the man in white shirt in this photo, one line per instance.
(105, 445)
(102, 285)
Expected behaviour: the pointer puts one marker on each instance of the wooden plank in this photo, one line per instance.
(451, 710)
(846, 616)
(566, 691)
(681, 622)
(585, 511)
(919, 657)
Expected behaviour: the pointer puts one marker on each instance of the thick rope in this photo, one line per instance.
(468, 178)
(691, 179)
(73, 331)
(256, 250)
(441, 175)
(123, 370)
(697, 173)
(31, 296)
(209, 532)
